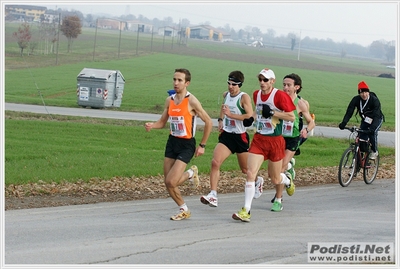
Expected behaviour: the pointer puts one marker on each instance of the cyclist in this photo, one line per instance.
(369, 108)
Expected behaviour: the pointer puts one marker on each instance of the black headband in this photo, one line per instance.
(234, 79)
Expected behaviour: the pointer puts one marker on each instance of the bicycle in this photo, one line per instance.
(355, 158)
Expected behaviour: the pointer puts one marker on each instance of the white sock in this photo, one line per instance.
(278, 200)
(184, 206)
(285, 179)
(213, 193)
(249, 191)
(289, 166)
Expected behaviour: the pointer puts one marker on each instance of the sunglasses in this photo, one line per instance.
(232, 83)
(263, 79)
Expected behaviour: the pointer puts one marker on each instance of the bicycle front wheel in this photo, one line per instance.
(370, 169)
(347, 167)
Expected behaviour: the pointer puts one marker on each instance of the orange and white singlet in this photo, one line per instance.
(182, 123)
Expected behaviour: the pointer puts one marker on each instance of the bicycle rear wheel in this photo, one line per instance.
(347, 167)
(370, 169)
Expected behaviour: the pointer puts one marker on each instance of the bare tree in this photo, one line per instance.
(71, 27)
(23, 36)
(48, 35)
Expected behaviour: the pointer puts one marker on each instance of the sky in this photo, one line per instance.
(355, 22)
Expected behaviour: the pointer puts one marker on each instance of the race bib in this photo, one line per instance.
(368, 120)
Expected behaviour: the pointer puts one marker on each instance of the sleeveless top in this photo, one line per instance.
(268, 126)
(182, 123)
(231, 125)
(292, 128)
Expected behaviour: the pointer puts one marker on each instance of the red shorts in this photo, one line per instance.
(271, 147)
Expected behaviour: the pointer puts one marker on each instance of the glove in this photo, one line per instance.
(342, 125)
(267, 111)
(248, 122)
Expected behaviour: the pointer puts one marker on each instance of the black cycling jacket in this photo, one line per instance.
(370, 108)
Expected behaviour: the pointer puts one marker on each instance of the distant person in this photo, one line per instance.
(294, 131)
(369, 109)
(273, 106)
(181, 110)
(235, 115)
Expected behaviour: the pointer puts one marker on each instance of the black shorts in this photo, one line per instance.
(180, 148)
(292, 143)
(236, 143)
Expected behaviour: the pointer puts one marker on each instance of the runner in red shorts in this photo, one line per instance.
(272, 107)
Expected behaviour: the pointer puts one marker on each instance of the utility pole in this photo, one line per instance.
(298, 54)
(95, 36)
(119, 43)
(137, 40)
(58, 36)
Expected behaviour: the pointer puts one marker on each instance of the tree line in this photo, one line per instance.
(73, 21)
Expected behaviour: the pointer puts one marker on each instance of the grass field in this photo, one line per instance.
(75, 148)
(328, 82)
(71, 149)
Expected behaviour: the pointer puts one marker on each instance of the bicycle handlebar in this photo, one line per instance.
(356, 129)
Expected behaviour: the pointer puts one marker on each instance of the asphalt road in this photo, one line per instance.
(140, 233)
(384, 138)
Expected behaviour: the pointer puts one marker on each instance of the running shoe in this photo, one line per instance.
(293, 162)
(277, 207)
(373, 155)
(242, 215)
(259, 187)
(291, 169)
(182, 214)
(210, 200)
(291, 188)
(195, 177)
(292, 172)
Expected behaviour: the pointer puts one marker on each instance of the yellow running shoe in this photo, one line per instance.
(195, 177)
(242, 215)
(291, 188)
(182, 214)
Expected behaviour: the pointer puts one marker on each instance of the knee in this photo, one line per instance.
(251, 175)
(169, 183)
(276, 180)
(215, 164)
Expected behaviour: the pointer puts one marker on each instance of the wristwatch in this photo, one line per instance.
(202, 145)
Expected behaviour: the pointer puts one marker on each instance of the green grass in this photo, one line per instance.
(146, 84)
(77, 149)
(73, 149)
(329, 82)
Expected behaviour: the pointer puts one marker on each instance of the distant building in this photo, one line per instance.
(111, 24)
(208, 32)
(168, 31)
(24, 13)
(138, 26)
(51, 16)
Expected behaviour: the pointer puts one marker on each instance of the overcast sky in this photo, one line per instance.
(357, 22)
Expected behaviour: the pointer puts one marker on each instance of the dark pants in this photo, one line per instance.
(373, 136)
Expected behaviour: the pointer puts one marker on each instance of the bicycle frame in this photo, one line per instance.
(353, 160)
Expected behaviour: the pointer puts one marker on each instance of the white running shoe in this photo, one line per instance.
(210, 200)
(259, 187)
(373, 155)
